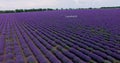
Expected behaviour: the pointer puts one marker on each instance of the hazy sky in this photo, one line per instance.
(16, 4)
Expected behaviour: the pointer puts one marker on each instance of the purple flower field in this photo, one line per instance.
(61, 36)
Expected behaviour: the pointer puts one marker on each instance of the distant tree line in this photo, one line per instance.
(41, 9)
(110, 7)
(50, 9)
(26, 10)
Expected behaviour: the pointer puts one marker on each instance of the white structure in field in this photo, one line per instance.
(71, 16)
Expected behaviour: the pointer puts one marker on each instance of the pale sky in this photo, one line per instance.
(26, 4)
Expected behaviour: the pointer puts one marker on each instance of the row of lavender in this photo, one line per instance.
(51, 37)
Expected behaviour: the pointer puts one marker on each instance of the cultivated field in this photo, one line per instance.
(62, 36)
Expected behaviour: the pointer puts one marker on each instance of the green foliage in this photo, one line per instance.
(50, 9)
(110, 7)
(19, 10)
(7, 11)
(26, 10)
